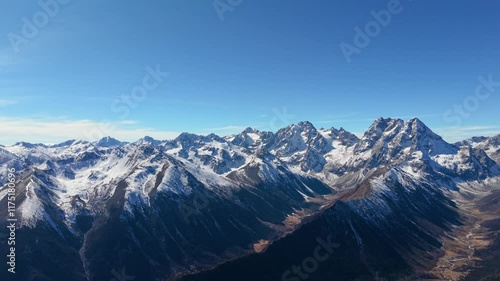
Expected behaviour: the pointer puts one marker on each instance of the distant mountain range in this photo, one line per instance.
(399, 203)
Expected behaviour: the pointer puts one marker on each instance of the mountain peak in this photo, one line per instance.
(391, 137)
(380, 125)
(66, 143)
(189, 139)
(27, 144)
(417, 129)
(417, 124)
(415, 119)
(305, 124)
(108, 142)
(187, 136)
(148, 140)
(250, 130)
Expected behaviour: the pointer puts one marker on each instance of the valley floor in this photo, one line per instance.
(464, 244)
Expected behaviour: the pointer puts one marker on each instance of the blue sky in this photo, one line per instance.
(80, 74)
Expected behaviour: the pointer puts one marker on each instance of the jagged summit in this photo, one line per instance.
(491, 145)
(28, 145)
(305, 124)
(387, 141)
(191, 138)
(399, 133)
(379, 124)
(147, 140)
(65, 143)
(249, 130)
(108, 142)
(250, 186)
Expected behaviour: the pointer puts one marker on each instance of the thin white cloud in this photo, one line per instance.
(61, 129)
(128, 122)
(477, 128)
(454, 134)
(7, 102)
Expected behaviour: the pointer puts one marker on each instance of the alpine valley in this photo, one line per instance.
(399, 203)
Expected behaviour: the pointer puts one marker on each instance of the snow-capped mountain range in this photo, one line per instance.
(175, 207)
